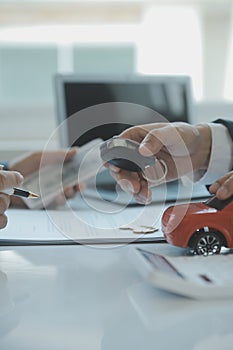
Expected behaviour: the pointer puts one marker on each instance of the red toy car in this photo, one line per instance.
(204, 227)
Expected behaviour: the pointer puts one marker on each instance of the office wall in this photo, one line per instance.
(27, 106)
(27, 66)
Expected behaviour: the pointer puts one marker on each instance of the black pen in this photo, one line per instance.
(19, 192)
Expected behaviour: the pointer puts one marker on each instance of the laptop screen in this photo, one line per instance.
(169, 96)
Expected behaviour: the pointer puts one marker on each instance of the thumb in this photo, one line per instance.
(9, 179)
(167, 136)
(150, 145)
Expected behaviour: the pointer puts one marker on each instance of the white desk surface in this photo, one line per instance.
(86, 298)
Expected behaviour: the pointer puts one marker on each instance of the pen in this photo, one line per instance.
(19, 192)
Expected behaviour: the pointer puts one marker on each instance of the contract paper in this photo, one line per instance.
(82, 226)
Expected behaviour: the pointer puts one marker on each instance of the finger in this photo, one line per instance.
(142, 200)
(226, 189)
(58, 201)
(156, 139)
(144, 196)
(111, 167)
(165, 135)
(80, 187)
(69, 192)
(9, 179)
(217, 184)
(128, 181)
(138, 133)
(156, 174)
(126, 186)
(17, 202)
(71, 153)
(135, 133)
(3, 221)
(214, 187)
(4, 203)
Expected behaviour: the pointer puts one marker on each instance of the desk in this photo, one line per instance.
(86, 298)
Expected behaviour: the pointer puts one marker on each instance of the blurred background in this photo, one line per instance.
(40, 38)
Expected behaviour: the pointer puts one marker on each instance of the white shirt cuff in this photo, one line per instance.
(221, 157)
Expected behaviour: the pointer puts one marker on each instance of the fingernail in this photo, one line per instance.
(142, 199)
(223, 192)
(126, 186)
(82, 186)
(20, 177)
(114, 169)
(74, 149)
(143, 149)
(69, 192)
(215, 186)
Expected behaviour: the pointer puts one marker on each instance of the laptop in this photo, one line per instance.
(138, 99)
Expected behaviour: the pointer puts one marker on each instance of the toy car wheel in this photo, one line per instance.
(207, 243)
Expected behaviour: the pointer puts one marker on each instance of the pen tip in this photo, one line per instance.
(33, 195)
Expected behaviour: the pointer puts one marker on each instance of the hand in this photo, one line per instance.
(28, 164)
(184, 148)
(8, 179)
(223, 187)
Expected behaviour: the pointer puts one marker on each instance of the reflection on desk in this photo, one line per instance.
(79, 297)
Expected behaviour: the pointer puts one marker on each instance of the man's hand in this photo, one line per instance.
(28, 164)
(8, 179)
(184, 148)
(223, 187)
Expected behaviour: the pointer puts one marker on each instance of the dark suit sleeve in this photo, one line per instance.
(5, 166)
(228, 124)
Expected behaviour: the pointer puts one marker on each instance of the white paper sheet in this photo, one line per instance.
(84, 225)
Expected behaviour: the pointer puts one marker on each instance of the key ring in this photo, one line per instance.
(158, 180)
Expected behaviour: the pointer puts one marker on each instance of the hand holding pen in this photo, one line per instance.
(30, 163)
(9, 180)
(20, 193)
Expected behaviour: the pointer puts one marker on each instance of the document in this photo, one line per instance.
(83, 226)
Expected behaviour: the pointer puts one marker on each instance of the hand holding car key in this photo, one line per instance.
(124, 154)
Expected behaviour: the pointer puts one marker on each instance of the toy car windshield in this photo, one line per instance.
(218, 204)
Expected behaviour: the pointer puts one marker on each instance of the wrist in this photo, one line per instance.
(204, 149)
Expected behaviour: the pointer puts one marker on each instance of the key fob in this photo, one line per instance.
(124, 154)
